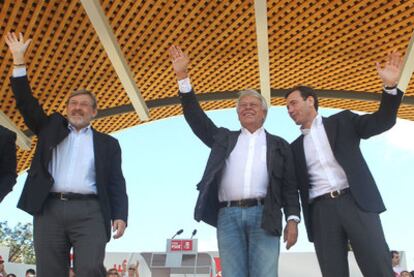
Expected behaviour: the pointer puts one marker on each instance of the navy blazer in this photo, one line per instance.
(7, 161)
(344, 131)
(282, 191)
(53, 129)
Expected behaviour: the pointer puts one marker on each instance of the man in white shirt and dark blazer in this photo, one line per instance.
(75, 188)
(339, 196)
(249, 178)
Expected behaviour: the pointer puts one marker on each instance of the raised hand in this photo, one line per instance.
(180, 62)
(391, 71)
(17, 46)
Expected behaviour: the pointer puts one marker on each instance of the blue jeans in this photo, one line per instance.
(246, 250)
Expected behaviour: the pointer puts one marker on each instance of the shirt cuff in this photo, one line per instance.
(19, 72)
(392, 91)
(294, 217)
(184, 85)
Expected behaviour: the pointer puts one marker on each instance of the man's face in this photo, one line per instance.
(251, 113)
(395, 259)
(299, 109)
(80, 111)
(131, 271)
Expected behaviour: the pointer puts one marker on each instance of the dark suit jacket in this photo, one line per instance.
(344, 131)
(50, 131)
(7, 161)
(282, 190)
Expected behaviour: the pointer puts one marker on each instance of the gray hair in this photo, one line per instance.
(254, 93)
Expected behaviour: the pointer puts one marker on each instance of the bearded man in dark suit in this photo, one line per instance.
(75, 187)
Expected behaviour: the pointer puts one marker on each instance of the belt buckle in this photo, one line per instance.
(334, 194)
(62, 197)
(242, 203)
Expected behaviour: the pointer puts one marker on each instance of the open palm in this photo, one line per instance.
(179, 59)
(17, 45)
(391, 71)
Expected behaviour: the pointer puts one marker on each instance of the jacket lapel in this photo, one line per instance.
(301, 155)
(330, 129)
(302, 169)
(270, 148)
(55, 138)
(99, 153)
(231, 143)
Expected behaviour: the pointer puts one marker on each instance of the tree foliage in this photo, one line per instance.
(20, 241)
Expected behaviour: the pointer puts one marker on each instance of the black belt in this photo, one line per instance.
(332, 195)
(71, 196)
(244, 203)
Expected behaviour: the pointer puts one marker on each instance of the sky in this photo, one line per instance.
(163, 161)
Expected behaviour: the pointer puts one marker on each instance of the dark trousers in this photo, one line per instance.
(337, 221)
(70, 223)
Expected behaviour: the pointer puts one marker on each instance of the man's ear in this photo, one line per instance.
(310, 100)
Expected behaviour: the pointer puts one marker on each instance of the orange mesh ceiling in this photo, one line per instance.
(329, 45)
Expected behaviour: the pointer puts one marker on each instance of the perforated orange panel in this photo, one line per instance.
(327, 44)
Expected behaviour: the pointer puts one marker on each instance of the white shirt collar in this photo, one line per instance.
(83, 130)
(317, 121)
(259, 131)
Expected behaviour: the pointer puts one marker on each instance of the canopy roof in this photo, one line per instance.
(329, 45)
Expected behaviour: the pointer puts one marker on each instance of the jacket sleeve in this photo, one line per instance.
(8, 164)
(290, 194)
(117, 188)
(383, 119)
(199, 122)
(33, 114)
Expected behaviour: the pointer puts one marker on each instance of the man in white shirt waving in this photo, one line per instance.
(340, 199)
(248, 179)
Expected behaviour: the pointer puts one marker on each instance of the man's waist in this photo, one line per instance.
(331, 195)
(242, 203)
(322, 188)
(71, 196)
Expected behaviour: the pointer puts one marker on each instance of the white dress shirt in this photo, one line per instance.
(245, 173)
(325, 173)
(73, 161)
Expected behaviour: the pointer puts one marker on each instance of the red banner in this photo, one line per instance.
(181, 245)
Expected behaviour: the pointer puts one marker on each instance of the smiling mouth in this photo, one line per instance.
(248, 114)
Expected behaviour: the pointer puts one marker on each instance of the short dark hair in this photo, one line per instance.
(305, 92)
(85, 92)
(394, 252)
(31, 271)
(11, 275)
